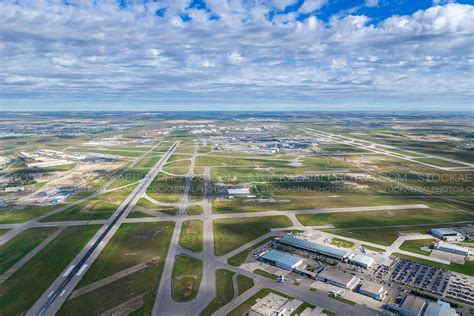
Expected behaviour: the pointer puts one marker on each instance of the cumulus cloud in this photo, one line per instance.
(230, 49)
(309, 6)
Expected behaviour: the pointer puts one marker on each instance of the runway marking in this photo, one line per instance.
(81, 270)
(51, 293)
(62, 293)
(69, 270)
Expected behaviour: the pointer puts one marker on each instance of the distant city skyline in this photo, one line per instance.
(202, 55)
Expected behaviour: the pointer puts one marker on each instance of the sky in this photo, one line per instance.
(236, 55)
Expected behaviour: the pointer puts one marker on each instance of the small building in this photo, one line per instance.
(14, 189)
(363, 261)
(373, 290)
(281, 259)
(448, 234)
(313, 247)
(439, 308)
(338, 278)
(446, 247)
(241, 191)
(412, 306)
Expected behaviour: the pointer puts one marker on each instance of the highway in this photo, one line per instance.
(51, 300)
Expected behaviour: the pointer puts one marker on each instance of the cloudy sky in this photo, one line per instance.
(237, 54)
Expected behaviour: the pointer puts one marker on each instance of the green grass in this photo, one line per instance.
(415, 245)
(3, 231)
(380, 219)
(132, 244)
(239, 258)
(466, 268)
(166, 188)
(13, 215)
(245, 306)
(194, 210)
(87, 210)
(373, 248)
(301, 309)
(191, 235)
(21, 245)
(342, 299)
(342, 243)
(244, 283)
(232, 233)
(328, 312)
(265, 274)
(186, 278)
(136, 214)
(25, 286)
(224, 292)
(142, 202)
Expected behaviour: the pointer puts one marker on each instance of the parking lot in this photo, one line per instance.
(461, 287)
(420, 276)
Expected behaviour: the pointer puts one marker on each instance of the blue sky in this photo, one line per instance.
(236, 55)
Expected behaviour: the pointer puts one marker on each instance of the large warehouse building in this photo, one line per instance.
(313, 247)
(373, 290)
(339, 278)
(448, 234)
(281, 260)
(446, 247)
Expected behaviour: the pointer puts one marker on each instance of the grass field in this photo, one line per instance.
(239, 258)
(466, 268)
(194, 210)
(415, 245)
(265, 274)
(3, 231)
(224, 292)
(13, 215)
(191, 235)
(245, 306)
(25, 286)
(186, 278)
(231, 233)
(87, 210)
(244, 283)
(165, 188)
(21, 245)
(380, 219)
(132, 244)
(342, 243)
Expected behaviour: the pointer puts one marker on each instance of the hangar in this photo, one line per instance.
(339, 278)
(281, 259)
(313, 247)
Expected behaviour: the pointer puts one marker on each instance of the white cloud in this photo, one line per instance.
(49, 49)
(309, 6)
(235, 58)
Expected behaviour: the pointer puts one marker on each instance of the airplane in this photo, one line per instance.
(281, 279)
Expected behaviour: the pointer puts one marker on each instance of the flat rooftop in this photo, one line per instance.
(311, 246)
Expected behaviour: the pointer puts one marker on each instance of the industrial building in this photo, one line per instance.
(361, 260)
(446, 247)
(439, 308)
(281, 259)
(447, 234)
(373, 290)
(313, 247)
(412, 306)
(338, 278)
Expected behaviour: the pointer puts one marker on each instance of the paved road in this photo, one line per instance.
(164, 302)
(52, 299)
